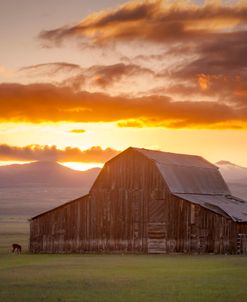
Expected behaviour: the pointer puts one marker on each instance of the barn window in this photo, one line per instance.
(192, 214)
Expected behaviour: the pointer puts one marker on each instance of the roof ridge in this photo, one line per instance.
(181, 165)
(170, 156)
(168, 152)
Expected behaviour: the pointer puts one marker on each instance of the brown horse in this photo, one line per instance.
(16, 248)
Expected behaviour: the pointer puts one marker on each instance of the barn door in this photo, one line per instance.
(156, 238)
(156, 227)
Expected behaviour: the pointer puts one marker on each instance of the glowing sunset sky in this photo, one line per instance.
(82, 80)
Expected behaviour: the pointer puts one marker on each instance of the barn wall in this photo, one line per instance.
(64, 229)
(194, 229)
(113, 217)
(121, 202)
(218, 234)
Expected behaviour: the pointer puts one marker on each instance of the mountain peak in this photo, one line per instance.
(45, 173)
(225, 162)
(44, 163)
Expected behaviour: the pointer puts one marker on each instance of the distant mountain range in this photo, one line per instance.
(232, 173)
(235, 176)
(52, 174)
(30, 189)
(45, 174)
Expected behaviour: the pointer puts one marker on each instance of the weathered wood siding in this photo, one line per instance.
(64, 229)
(122, 200)
(191, 228)
(130, 209)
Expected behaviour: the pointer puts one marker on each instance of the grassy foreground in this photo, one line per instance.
(116, 278)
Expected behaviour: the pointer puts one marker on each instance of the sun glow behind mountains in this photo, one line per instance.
(82, 166)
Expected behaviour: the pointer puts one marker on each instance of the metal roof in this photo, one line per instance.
(177, 159)
(228, 205)
(187, 173)
(194, 179)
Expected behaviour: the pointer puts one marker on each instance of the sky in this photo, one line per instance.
(81, 81)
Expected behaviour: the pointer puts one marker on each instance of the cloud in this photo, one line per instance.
(223, 54)
(52, 153)
(38, 103)
(77, 131)
(131, 124)
(95, 23)
(54, 72)
(153, 21)
(104, 76)
(101, 77)
(52, 68)
(201, 48)
(183, 89)
(219, 68)
(112, 79)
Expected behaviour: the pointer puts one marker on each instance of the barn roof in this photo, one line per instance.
(231, 206)
(196, 180)
(187, 173)
(176, 159)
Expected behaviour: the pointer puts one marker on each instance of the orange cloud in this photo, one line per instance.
(46, 103)
(131, 124)
(107, 75)
(202, 46)
(153, 21)
(77, 131)
(203, 81)
(52, 153)
(96, 76)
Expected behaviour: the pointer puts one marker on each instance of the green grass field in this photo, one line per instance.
(107, 278)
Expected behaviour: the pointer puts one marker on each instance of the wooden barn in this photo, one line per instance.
(146, 201)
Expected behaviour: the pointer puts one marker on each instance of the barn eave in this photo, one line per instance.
(225, 205)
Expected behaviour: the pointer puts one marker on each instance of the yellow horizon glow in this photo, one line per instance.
(77, 166)
(13, 162)
(214, 145)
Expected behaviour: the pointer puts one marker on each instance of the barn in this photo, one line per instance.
(146, 201)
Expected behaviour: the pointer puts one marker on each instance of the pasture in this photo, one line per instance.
(117, 278)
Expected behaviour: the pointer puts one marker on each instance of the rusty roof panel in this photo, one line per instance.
(229, 205)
